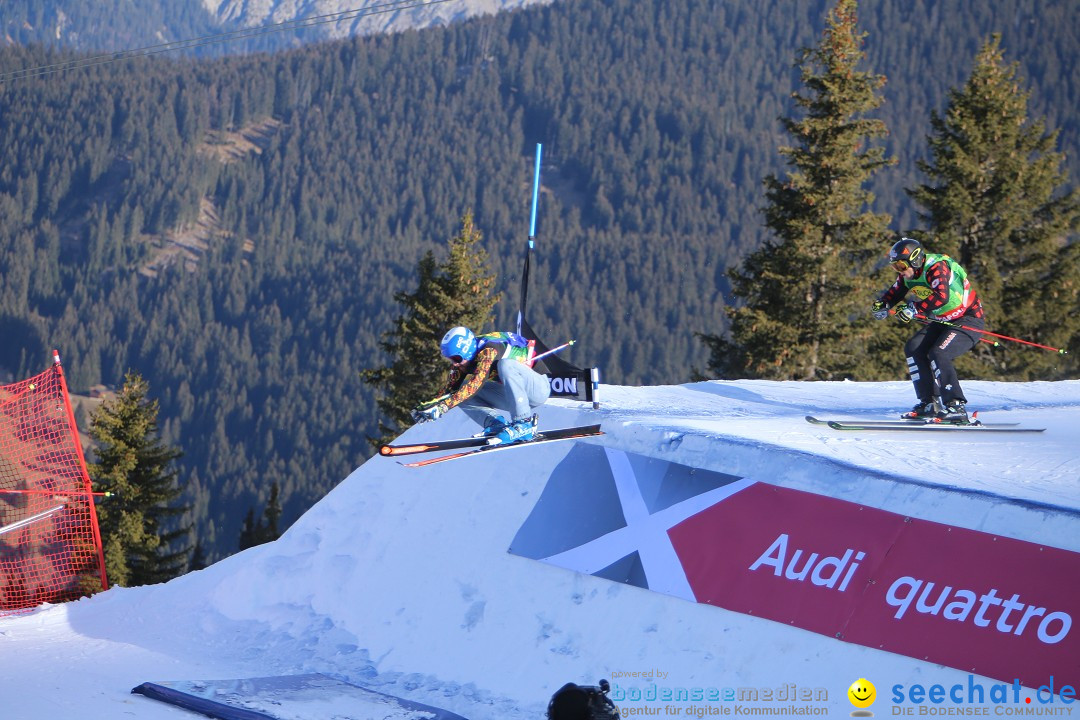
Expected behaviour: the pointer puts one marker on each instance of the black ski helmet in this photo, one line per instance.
(908, 251)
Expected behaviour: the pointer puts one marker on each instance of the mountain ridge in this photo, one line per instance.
(361, 17)
(259, 25)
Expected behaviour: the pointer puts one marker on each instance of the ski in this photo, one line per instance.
(473, 441)
(433, 446)
(914, 421)
(550, 436)
(927, 427)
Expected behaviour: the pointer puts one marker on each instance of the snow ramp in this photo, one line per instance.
(711, 553)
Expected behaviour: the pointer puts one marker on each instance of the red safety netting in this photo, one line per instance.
(50, 546)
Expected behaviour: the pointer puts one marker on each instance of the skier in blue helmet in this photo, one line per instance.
(494, 371)
(458, 342)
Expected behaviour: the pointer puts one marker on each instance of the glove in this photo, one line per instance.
(905, 313)
(429, 412)
(880, 310)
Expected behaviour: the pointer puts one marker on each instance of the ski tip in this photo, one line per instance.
(388, 450)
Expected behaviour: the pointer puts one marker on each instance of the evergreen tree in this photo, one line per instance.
(457, 292)
(198, 558)
(807, 292)
(993, 203)
(266, 530)
(139, 527)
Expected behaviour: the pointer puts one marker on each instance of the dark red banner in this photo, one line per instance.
(981, 603)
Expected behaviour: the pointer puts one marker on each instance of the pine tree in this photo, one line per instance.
(198, 558)
(266, 530)
(139, 524)
(457, 292)
(993, 203)
(249, 532)
(807, 292)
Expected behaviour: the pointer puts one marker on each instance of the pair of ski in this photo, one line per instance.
(476, 445)
(922, 425)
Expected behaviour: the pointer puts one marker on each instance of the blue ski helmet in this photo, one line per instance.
(458, 342)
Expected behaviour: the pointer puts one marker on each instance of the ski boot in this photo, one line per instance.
(955, 413)
(493, 425)
(518, 431)
(924, 411)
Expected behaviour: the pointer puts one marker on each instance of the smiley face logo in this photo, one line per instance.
(862, 693)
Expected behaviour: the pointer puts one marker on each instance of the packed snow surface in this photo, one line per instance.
(400, 580)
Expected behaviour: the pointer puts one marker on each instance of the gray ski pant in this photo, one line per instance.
(521, 391)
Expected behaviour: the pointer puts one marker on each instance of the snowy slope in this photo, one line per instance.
(400, 579)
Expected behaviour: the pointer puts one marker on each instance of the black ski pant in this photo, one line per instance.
(930, 355)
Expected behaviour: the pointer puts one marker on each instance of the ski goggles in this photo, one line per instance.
(900, 265)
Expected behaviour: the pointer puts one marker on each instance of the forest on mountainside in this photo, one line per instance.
(235, 229)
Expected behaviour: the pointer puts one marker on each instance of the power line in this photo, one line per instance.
(105, 58)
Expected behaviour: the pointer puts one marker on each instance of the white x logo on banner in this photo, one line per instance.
(644, 533)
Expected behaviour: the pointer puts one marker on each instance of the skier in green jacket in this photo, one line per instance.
(941, 292)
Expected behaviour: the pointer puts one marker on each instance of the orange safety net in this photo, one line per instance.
(50, 545)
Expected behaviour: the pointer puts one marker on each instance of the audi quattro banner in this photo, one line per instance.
(981, 603)
(997, 606)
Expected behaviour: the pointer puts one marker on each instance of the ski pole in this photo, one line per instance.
(435, 401)
(1060, 351)
(418, 413)
(553, 350)
(55, 493)
(30, 520)
(992, 343)
(926, 321)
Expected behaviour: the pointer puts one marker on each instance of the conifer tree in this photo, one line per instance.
(807, 293)
(198, 558)
(141, 534)
(994, 202)
(266, 530)
(456, 292)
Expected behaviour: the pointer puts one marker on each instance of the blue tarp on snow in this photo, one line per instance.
(295, 697)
